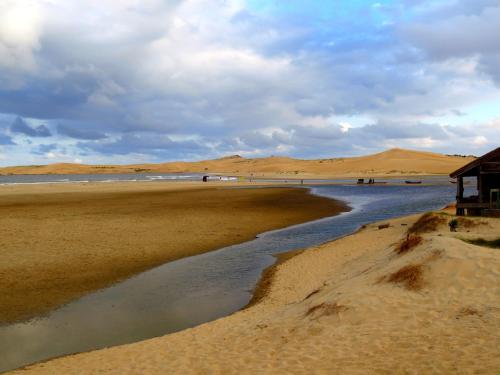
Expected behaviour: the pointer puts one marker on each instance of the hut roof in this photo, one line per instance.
(468, 169)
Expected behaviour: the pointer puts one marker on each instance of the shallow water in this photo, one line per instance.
(171, 177)
(201, 288)
(105, 177)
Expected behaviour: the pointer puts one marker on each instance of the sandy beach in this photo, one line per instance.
(62, 241)
(410, 297)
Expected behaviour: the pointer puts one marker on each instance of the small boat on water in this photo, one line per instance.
(371, 181)
(413, 182)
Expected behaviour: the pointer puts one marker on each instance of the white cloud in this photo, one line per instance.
(344, 127)
(20, 29)
(480, 140)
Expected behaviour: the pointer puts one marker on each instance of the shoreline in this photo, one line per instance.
(263, 286)
(334, 308)
(289, 207)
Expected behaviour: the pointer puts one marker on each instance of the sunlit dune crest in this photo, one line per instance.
(393, 162)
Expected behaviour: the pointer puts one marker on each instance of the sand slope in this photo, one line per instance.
(342, 308)
(395, 162)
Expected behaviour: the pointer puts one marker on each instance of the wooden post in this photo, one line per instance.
(460, 194)
(480, 185)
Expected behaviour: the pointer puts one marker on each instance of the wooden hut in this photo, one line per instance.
(486, 170)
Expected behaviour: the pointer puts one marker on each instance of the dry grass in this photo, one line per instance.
(312, 294)
(464, 222)
(325, 309)
(468, 311)
(494, 244)
(428, 222)
(410, 242)
(411, 277)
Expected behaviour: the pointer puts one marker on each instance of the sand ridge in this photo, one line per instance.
(337, 308)
(393, 162)
(59, 242)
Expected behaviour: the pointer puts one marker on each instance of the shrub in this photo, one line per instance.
(453, 224)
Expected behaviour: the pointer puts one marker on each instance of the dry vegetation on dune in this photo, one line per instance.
(411, 277)
(495, 244)
(428, 222)
(410, 242)
(325, 309)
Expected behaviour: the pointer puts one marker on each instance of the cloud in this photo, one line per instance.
(20, 27)
(79, 132)
(145, 143)
(44, 149)
(397, 130)
(5, 140)
(20, 126)
(154, 79)
(466, 32)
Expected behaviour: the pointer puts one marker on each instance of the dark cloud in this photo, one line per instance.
(44, 148)
(19, 125)
(79, 132)
(145, 143)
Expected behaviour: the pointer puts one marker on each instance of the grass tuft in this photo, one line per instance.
(410, 242)
(428, 222)
(468, 311)
(495, 244)
(411, 277)
(325, 309)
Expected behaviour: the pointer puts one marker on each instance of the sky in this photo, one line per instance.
(133, 81)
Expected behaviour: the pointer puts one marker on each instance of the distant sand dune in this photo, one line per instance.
(394, 162)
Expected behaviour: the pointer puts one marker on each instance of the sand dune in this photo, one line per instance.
(351, 306)
(394, 162)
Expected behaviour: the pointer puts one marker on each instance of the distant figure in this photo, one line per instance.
(205, 178)
(302, 182)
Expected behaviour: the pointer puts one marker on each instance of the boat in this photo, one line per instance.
(413, 182)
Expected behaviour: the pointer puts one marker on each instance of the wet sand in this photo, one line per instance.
(59, 242)
(357, 305)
